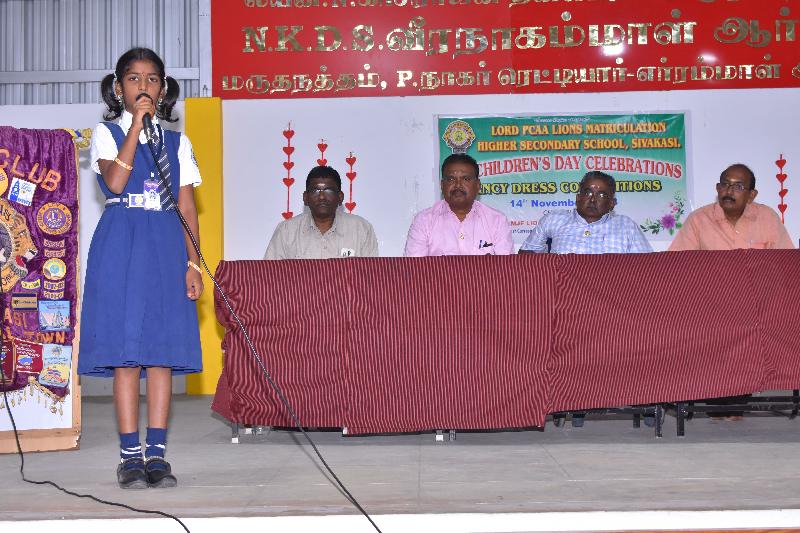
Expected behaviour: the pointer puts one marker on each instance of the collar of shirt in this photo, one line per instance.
(311, 226)
(125, 121)
(580, 220)
(750, 213)
(444, 210)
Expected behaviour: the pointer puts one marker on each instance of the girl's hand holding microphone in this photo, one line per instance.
(144, 106)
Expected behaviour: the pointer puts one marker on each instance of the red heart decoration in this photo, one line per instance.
(781, 177)
(287, 215)
(351, 160)
(322, 162)
(782, 207)
(288, 134)
(351, 176)
(288, 150)
(288, 181)
(350, 206)
(780, 162)
(288, 165)
(782, 192)
(322, 147)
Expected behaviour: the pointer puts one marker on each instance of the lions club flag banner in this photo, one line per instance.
(531, 165)
(38, 268)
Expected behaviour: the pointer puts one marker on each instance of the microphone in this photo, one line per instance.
(147, 120)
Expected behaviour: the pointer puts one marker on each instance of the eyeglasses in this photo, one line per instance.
(327, 191)
(737, 186)
(589, 193)
(463, 179)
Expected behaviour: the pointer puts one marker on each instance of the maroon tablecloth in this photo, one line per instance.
(395, 344)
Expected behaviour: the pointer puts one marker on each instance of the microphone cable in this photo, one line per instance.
(52, 483)
(267, 376)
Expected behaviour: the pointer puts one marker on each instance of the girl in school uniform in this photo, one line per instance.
(139, 317)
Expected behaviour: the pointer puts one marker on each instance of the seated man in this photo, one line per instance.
(459, 224)
(592, 227)
(322, 232)
(734, 220)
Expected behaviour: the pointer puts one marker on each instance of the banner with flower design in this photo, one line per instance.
(531, 165)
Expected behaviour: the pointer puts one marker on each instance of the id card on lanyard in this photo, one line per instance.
(152, 200)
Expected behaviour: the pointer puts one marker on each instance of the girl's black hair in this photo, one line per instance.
(116, 107)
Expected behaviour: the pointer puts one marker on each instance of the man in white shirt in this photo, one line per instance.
(323, 232)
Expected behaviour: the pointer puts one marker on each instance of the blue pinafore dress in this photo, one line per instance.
(135, 309)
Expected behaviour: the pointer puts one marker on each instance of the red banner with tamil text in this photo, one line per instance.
(338, 48)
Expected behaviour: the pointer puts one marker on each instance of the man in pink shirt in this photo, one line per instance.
(459, 224)
(734, 221)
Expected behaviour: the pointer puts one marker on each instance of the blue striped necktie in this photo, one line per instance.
(163, 165)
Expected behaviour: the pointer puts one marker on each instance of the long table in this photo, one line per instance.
(412, 344)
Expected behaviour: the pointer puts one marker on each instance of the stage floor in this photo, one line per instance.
(605, 466)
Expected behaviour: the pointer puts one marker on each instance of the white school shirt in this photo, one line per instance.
(104, 147)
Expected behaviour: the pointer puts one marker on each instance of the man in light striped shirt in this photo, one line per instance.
(591, 228)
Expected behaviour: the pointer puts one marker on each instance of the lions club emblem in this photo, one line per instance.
(459, 136)
(54, 218)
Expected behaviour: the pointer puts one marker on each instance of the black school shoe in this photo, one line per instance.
(159, 474)
(131, 474)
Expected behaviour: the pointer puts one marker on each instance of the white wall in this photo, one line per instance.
(395, 142)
